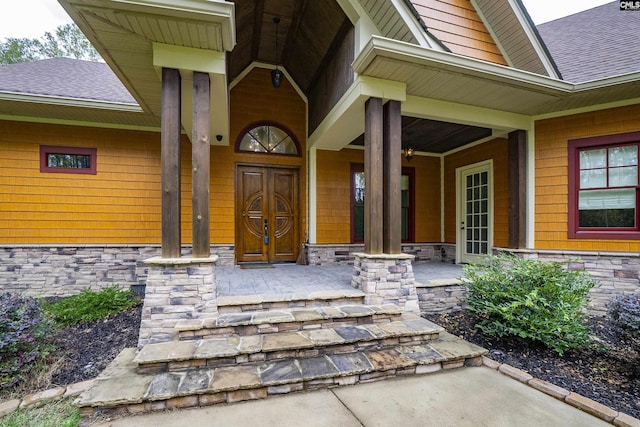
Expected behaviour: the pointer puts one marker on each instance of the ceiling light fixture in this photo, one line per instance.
(276, 74)
(408, 152)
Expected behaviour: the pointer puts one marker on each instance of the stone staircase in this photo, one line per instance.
(260, 346)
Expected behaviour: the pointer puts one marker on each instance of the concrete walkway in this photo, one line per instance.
(462, 397)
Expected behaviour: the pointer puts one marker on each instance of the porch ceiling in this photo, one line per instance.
(433, 136)
(306, 34)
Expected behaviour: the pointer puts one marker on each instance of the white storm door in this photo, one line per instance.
(474, 212)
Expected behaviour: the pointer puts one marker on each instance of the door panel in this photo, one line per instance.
(284, 211)
(267, 212)
(252, 211)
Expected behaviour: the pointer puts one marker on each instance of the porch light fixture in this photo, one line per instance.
(408, 153)
(276, 75)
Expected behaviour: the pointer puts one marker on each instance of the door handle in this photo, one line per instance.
(266, 232)
(462, 225)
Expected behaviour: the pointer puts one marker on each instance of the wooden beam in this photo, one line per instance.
(257, 29)
(373, 180)
(170, 163)
(517, 142)
(200, 161)
(392, 171)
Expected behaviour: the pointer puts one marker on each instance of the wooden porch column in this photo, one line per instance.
(373, 187)
(200, 161)
(517, 142)
(392, 168)
(170, 163)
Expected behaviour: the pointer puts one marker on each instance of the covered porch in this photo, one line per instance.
(291, 280)
(438, 287)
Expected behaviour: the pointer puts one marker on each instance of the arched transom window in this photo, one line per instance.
(269, 139)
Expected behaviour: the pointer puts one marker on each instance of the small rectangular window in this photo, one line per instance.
(68, 159)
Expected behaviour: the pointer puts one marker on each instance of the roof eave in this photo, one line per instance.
(547, 94)
(393, 49)
(70, 102)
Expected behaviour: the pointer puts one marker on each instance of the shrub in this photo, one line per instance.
(624, 315)
(89, 306)
(23, 332)
(530, 299)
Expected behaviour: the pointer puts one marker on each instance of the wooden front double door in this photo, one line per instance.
(267, 214)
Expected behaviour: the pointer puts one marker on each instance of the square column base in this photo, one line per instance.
(177, 289)
(386, 279)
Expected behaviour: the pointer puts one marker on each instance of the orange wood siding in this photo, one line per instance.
(457, 24)
(427, 197)
(334, 196)
(551, 172)
(498, 151)
(120, 204)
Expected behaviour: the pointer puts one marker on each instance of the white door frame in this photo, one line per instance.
(487, 166)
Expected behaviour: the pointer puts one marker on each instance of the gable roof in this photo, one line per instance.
(594, 44)
(64, 77)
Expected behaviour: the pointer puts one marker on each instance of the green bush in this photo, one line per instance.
(624, 315)
(530, 299)
(89, 306)
(23, 337)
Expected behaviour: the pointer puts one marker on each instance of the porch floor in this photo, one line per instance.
(305, 279)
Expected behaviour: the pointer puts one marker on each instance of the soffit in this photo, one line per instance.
(388, 20)
(449, 77)
(10, 109)
(124, 31)
(517, 36)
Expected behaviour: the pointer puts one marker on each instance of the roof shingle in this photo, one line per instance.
(594, 44)
(64, 77)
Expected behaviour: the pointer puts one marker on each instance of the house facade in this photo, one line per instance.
(224, 132)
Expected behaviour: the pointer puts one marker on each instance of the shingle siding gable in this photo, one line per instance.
(458, 26)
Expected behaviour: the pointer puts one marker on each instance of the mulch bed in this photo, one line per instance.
(88, 348)
(606, 371)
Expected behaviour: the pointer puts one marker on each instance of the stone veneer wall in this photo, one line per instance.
(177, 289)
(63, 270)
(344, 254)
(441, 296)
(616, 273)
(386, 279)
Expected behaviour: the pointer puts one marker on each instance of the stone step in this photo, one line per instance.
(120, 388)
(235, 349)
(293, 319)
(265, 302)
